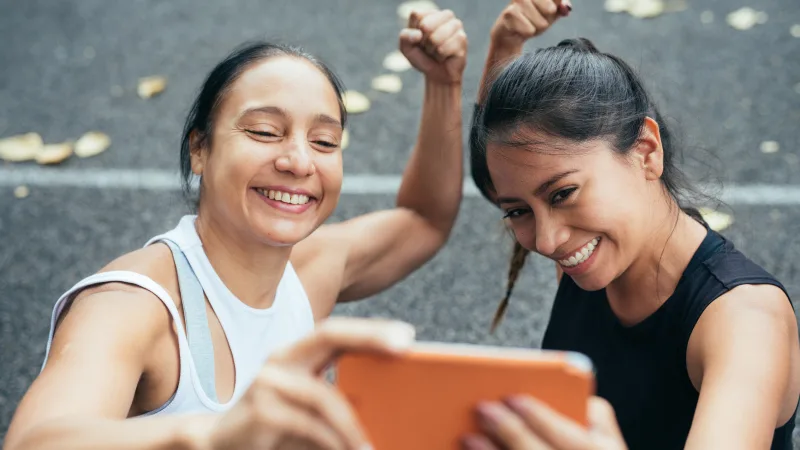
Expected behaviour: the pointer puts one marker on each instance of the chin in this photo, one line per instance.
(591, 283)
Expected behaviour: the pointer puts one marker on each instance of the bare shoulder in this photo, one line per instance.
(319, 261)
(122, 299)
(763, 302)
(746, 321)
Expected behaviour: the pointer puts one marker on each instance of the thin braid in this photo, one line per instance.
(518, 258)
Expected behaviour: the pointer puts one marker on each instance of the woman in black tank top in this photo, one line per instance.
(695, 346)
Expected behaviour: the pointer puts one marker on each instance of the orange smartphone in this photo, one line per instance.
(425, 399)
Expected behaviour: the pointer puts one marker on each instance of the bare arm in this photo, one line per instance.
(376, 250)
(88, 384)
(744, 356)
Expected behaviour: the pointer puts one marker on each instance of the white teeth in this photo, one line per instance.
(293, 199)
(581, 255)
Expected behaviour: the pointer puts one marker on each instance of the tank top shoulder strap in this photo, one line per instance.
(198, 334)
(716, 268)
(119, 276)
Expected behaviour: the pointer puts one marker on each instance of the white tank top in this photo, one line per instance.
(253, 334)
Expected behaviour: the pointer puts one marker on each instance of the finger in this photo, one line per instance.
(275, 416)
(507, 428)
(410, 36)
(416, 16)
(326, 402)
(549, 425)
(602, 418)
(515, 20)
(455, 46)
(477, 442)
(434, 20)
(541, 19)
(547, 8)
(340, 334)
(445, 31)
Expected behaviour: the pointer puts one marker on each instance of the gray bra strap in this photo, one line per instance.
(194, 313)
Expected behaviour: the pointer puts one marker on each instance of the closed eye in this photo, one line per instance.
(327, 144)
(262, 133)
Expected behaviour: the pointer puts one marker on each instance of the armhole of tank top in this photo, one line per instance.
(143, 282)
(297, 284)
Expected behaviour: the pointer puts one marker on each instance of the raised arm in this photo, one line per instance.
(376, 250)
(518, 22)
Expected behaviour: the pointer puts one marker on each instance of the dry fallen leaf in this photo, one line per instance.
(91, 144)
(795, 30)
(646, 9)
(396, 62)
(716, 220)
(707, 17)
(355, 102)
(404, 9)
(770, 147)
(22, 147)
(54, 153)
(151, 86)
(345, 139)
(746, 18)
(387, 83)
(21, 191)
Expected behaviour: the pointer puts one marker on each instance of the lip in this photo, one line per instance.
(576, 250)
(583, 267)
(286, 207)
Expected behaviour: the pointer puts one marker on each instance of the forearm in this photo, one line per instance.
(433, 180)
(172, 432)
(498, 54)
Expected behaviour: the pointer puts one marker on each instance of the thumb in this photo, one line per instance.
(337, 335)
(603, 419)
(410, 36)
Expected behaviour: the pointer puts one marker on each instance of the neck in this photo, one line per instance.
(655, 273)
(250, 269)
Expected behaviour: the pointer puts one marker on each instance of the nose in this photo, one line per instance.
(550, 235)
(297, 159)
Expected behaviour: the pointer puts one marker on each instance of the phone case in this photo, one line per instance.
(426, 399)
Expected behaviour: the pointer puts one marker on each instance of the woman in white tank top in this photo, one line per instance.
(176, 334)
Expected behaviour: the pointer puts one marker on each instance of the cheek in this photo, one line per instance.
(330, 171)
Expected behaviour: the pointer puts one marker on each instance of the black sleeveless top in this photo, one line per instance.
(641, 369)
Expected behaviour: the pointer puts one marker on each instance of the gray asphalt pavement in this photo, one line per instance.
(62, 64)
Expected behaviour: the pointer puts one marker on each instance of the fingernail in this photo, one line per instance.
(366, 447)
(400, 336)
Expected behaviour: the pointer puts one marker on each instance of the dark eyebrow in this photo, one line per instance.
(541, 189)
(323, 118)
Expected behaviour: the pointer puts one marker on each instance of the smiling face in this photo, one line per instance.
(273, 164)
(584, 206)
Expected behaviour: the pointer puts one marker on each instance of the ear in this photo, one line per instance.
(648, 152)
(198, 152)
